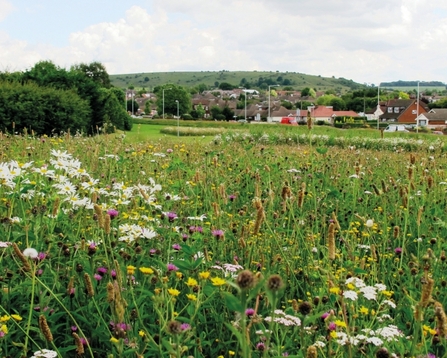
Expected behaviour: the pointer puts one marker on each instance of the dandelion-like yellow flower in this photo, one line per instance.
(114, 340)
(191, 282)
(364, 310)
(173, 292)
(4, 329)
(387, 293)
(334, 290)
(131, 270)
(204, 275)
(144, 270)
(5, 318)
(179, 275)
(333, 334)
(16, 317)
(217, 281)
(231, 353)
(340, 323)
(191, 297)
(141, 333)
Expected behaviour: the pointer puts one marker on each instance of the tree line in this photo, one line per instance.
(47, 99)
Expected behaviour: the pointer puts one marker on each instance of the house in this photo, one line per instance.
(402, 110)
(327, 113)
(435, 118)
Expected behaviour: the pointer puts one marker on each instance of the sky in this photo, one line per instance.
(368, 41)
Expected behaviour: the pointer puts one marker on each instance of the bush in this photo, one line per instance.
(187, 117)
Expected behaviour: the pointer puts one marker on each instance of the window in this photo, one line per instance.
(396, 109)
(390, 109)
(413, 111)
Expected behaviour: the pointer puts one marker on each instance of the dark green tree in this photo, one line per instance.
(172, 94)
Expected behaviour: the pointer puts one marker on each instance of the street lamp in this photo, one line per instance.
(178, 118)
(164, 101)
(245, 96)
(269, 119)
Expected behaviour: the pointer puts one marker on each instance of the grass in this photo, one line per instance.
(263, 241)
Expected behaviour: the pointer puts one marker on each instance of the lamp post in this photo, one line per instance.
(178, 118)
(164, 101)
(269, 118)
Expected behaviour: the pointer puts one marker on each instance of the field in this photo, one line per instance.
(230, 241)
(190, 79)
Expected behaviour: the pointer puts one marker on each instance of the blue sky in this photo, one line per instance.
(368, 41)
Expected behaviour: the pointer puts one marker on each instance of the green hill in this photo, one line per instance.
(255, 79)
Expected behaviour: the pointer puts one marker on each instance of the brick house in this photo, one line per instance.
(402, 110)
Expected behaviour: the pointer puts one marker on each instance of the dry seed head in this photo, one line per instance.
(245, 280)
(427, 290)
(335, 220)
(99, 215)
(70, 286)
(174, 327)
(94, 197)
(311, 352)
(25, 264)
(274, 283)
(107, 220)
(55, 207)
(441, 320)
(331, 241)
(304, 308)
(89, 285)
(418, 221)
(430, 182)
(78, 343)
(110, 292)
(410, 172)
(376, 189)
(384, 186)
(396, 231)
(45, 329)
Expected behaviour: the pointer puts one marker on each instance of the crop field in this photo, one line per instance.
(238, 242)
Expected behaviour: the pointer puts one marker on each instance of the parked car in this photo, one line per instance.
(289, 120)
(396, 128)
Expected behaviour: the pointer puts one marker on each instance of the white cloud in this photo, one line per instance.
(5, 9)
(363, 40)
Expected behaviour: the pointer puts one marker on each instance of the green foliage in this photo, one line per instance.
(173, 93)
(44, 110)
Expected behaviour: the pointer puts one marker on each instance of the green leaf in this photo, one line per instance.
(232, 302)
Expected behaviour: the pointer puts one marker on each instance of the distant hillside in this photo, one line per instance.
(413, 84)
(253, 79)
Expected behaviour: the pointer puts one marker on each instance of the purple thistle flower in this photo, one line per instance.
(260, 346)
(232, 197)
(176, 247)
(218, 234)
(74, 328)
(172, 267)
(101, 271)
(171, 216)
(185, 326)
(97, 277)
(249, 312)
(113, 213)
(398, 250)
(113, 274)
(332, 326)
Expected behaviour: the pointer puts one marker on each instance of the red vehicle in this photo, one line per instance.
(291, 121)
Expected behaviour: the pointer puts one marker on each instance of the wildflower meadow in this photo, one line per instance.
(240, 246)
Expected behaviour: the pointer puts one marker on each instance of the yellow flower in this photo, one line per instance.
(157, 291)
(335, 290)
(173, 292)
(364, 310)
(340, 323)
(333, 334)
(204, 275)
(131, 270)
(191, 297)
(179, 275)
(217, 281)
(16, 317)
(387, 293)
(146, 270)
(141, 333)
(231, 353)
(5, 318)
(114, 340)
(350, 286)
(191, 282)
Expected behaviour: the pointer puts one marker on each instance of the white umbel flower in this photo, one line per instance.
(31, 253)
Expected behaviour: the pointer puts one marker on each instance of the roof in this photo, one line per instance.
(437, 114)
